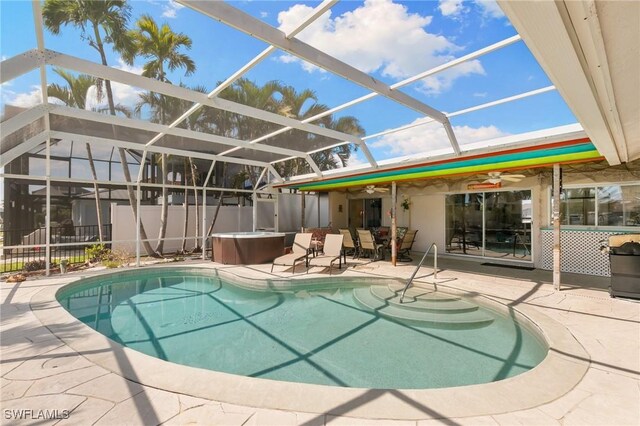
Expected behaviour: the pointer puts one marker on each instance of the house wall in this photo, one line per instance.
(337, 207)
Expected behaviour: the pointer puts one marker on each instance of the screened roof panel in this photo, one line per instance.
(387, 77)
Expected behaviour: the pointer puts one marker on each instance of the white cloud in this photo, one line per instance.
(23, 100)
(170, 9)
(122, 65)
(122, 93)
(356, 159)
(480, 95)
(490, 9)
(380, 36)
(430, 137)
(450, 7)
(264, 14)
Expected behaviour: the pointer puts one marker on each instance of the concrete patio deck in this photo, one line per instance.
(41, 372)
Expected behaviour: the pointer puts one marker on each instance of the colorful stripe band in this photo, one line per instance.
(538, 156)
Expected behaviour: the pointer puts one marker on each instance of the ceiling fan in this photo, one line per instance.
(498, 177)
(370, 189)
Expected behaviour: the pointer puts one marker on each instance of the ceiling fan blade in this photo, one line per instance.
(514, 176)
(511, 178)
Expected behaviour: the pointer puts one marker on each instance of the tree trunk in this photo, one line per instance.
(215, 215)
(132, 199)
(123, 158)
(186, 208)
(96, 190)
(194, 180)
(186, 221)
(165, 205)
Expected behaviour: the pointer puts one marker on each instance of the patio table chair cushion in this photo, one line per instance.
(332, 252)
(299, 251)
(368, 243)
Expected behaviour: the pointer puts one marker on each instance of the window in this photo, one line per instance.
(610, 205)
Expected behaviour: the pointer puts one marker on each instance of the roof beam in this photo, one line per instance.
(157, 149)
(18, 121)
(427, 73)
(20, 64)
(108, 73)
(155, 127)
(323, 7)
(23, 148)
(256, 28)
(464, 111)
(235, 18)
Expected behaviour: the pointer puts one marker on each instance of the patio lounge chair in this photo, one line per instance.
(367, 243)
(404, 251)
(299, 251)
(332, 252)
(348, 244)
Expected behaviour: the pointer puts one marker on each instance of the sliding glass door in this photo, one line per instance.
(490, 224)
(365, 213)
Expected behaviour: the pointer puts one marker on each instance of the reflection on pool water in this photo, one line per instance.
(353, 337)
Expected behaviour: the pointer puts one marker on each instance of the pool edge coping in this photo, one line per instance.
(563, 367)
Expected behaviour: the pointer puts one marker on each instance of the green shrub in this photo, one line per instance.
(97, 252)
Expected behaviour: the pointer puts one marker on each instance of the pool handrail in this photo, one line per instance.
(435, 268)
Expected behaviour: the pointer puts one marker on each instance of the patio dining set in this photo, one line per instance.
(321, 247)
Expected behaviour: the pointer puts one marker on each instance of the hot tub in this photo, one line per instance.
(246, 248)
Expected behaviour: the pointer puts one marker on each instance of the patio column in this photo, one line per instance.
(557, 182)
(302, 207)
(138, 221)
(254, 210)
(394, 224)
(204, 224)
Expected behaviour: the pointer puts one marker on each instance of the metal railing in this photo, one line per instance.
(435, 268)
(70, 243)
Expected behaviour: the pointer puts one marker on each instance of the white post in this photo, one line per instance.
(275, 214)
(255, 210)
(138, 220)
(204, 224)
(47, 216)
(394, 225)
(556, 226)
(302, 210)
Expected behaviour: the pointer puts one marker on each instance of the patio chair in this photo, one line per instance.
(348, 244)
(332, 252)
(367, 243)
(404, 251)
(299, 251)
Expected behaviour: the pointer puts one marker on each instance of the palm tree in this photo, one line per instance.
(75, 95)
(100, 22)
(302, 105)
(161, 46)
(264, 97)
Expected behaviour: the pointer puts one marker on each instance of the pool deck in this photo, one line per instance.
(41, 372)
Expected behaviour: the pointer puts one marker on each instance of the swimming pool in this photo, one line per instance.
(352, 336)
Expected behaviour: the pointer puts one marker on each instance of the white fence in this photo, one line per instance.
(230, 219)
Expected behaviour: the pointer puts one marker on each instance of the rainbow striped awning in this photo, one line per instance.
(573, 151)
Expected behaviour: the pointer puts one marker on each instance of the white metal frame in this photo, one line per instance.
(41, 57)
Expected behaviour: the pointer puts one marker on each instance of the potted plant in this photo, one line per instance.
(405, 204)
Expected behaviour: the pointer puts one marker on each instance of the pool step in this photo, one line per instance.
(425, 300)
(440, 319)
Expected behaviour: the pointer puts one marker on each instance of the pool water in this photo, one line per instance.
(324, 336)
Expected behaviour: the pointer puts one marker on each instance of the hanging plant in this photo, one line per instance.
(405, 203)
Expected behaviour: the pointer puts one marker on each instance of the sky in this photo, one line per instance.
(388, 39)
